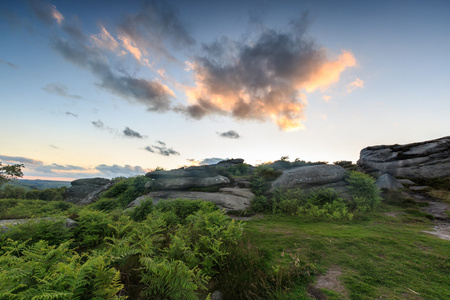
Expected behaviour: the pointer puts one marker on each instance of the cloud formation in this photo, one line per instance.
(59, 89)
(20, 160)
(100, 125)
(87, 53)
(9, 64)
(154, 28)
(162, 149)
(231, 134)
(128, 132)
(358, 83)
(71, 114)
(116, 170)
(46, 12)
(263, 79)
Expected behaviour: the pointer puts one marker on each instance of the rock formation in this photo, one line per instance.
(184, 179)
(389, 182)
(430, 159)
(85, 191)
(317, 176)
(229, 199)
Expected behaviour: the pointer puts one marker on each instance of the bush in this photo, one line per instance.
(53, 231)
(260, 204)
(127, 190)
(366, 195)
(41, 271)
(336, 210)
(141, 212)
(105, 204)
(92, 228)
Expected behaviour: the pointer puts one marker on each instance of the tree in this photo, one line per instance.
(8, 172)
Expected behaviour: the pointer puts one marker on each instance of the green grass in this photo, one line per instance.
(22, 209)
(380, 256)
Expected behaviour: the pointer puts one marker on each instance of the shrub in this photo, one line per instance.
(260, 204)
(179, 209)
(336, 210)
(366, 195)
(40, 271)
(127, 190)
(92, 228)
(53, 231)
(141, 212)
(105, 204)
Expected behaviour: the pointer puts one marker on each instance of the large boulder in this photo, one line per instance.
(430, 159)
(309, 177)
(184, 179)
(87, 190)
(227, 200)
(389, 182)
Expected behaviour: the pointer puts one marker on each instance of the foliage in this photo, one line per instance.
(127, 190)
(40, 271)
(51, 230)
(9, 172)
(262, 176)
(19, 192)
(92, 227)
(21, 209)
(336, 210)
(177, 210)
(366, 195)
(141, 212)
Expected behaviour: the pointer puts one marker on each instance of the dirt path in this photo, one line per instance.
(438, 210)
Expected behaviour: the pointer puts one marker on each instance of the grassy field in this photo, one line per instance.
(382, 255)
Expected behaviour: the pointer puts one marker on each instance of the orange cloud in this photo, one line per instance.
(131, 47)
(358, 83)
(56, 14)
(326, 98)
(104, 40)
(328, 73)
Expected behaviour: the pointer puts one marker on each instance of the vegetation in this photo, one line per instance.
(184, 249)
(9, 172)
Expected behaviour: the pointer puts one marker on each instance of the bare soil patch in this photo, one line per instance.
(328, 281)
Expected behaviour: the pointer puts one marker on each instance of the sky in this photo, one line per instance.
(118, 88)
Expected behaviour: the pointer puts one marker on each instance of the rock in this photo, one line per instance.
(4, 224)
(406, 182)
(85, 191)
(229, 163)
(419, 188)
(316, 176)
(242, 183)
(226, 201)
(184, 179)
(430, 159)
(216, 295)
(389, 182)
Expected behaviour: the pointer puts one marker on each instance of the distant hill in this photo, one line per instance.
(39, 184)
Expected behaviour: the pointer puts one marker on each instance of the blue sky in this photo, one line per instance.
(117, 88)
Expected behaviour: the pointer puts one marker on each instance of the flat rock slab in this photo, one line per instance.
(221, 200)
(310, 177)
(441, 230)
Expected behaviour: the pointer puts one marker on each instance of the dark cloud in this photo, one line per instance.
(49, 169)
(45, 12)
(161, 148)
(128, 132)
(262, 78)
(59, 89)
(20, 160)
(116, 170)
(155, 27)
(99, 124)
(9, 64)
(54, 147)
(231, 134)
(71, 114)
(153, 94)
